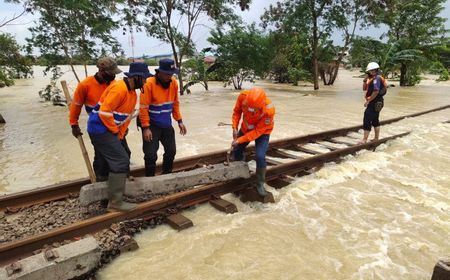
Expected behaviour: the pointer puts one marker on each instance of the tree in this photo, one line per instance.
(79, 28)
(13, 65)
(352, 14)
(174, 21)
(415, 29)
(196, 71)
(242, 54)
(316, 18)
(365, 49)
(8, 21)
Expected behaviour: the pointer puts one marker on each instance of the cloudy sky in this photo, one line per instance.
(151, 46)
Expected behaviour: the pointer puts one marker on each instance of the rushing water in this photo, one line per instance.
(376, 215)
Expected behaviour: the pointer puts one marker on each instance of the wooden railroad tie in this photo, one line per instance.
(179, 222)
(223, 205)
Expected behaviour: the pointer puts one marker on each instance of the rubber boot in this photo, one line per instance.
(260, 181)
(116, 187)
(150, 169)
(167, 167)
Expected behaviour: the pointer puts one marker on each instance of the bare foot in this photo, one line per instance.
(373, 140)
(361, 142)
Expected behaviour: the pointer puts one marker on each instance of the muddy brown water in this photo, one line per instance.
(376, 215)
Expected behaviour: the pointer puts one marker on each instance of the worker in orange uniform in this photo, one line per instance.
(108, 124)
(88, 93)
(257, 112)
(158, 104)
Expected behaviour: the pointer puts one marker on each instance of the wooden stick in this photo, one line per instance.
(80, 138)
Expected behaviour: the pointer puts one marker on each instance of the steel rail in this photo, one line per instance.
(13, 250)
(65, 189)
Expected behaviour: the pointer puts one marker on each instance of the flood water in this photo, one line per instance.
(376, 215)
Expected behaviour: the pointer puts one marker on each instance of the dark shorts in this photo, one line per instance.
(371, 117)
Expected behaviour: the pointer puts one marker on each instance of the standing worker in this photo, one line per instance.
(107, 126)
(375, 87)
(158, 104)
(88, 93)
(257, 113)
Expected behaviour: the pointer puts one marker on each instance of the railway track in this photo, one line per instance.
(71, 188)
(287, 158)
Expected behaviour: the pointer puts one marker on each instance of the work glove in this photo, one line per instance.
(76, 131)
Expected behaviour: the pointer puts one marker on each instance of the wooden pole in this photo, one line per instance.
(80, 138)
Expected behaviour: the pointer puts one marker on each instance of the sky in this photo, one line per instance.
(151, 46)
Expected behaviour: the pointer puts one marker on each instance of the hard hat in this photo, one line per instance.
(372, 66)
(256, 98)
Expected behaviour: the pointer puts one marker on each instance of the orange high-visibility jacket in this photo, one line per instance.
(87, 93)
(253, 125)
(112, 111)
(158, 105)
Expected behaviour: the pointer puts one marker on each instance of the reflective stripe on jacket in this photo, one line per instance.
(87, 93)
(158, 105)
(111, 112)
(254, 124)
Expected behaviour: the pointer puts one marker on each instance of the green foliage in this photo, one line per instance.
(70, 32)
(415, 29)
(151, 61)
(78, 31)
(243, 54)
(444, 76)
(438, 68)
(315, 21)
(196, 71)
(51, 92)
(161, 19)
(13, 65)
(364, 50)
(296, 75)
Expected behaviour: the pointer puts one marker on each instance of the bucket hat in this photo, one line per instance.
(109, 65)
(138, 69)
(167, 66)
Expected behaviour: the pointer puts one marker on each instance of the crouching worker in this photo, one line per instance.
(107, 126)
(257, 113)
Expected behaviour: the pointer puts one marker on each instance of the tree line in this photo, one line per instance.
(292, 43)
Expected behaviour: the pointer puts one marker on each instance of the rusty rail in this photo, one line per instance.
(64, 189)
(12, 250)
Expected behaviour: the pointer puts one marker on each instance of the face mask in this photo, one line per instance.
(108, 78)
(103, 77)
(165, 85)
(138, 82)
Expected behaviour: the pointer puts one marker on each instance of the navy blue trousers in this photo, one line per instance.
(261, 145)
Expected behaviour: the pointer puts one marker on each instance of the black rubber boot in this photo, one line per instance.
(167, 167)
(260, 181)
(150, 170)
(116, 188)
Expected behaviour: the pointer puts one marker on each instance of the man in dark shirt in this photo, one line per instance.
(374, 85)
